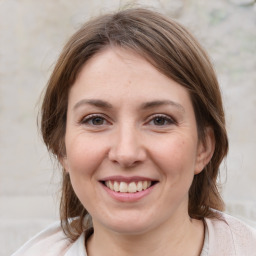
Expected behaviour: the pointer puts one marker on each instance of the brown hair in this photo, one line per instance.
(175, 53)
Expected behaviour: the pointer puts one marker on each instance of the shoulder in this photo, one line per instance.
(49, 242)
(230, 236)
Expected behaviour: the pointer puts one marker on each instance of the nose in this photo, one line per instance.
(127, 148)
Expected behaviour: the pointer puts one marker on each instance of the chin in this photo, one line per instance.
(130, 229)
(128, 226)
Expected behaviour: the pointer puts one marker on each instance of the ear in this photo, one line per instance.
(205, 150)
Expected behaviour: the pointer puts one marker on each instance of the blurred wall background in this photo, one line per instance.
(32, 33)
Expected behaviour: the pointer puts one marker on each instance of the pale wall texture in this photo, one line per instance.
(32, 34)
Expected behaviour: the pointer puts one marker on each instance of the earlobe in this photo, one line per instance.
(205, 150)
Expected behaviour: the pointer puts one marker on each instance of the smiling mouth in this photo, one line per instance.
(131, 187)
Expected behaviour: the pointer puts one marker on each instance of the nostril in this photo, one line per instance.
(126, 162)
(127, 154)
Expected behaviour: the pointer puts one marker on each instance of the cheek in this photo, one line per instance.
(83, 155)
(83, 158)
(175, 156)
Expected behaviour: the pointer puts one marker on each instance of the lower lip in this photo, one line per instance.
(128, 197)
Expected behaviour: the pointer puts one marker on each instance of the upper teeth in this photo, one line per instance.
(124, 187)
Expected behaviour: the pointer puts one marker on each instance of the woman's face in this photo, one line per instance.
(132, 148)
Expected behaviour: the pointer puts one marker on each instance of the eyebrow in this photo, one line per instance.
(158, 103)
(93, 102)
(147, 105)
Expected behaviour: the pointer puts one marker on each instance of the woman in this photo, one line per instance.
(134, 114)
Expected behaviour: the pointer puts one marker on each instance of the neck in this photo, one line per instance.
(183, 237)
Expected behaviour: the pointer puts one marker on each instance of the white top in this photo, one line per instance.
(226, 237)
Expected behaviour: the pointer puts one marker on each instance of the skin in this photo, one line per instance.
(130, 136)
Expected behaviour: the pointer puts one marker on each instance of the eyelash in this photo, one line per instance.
(166, 118)
(86, 120)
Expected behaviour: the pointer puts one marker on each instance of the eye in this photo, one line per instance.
(94, 120)
(161, 120)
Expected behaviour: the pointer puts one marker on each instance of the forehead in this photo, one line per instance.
(116, 73)
(116, 63)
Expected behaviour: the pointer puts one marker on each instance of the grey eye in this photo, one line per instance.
(97, 120)
(94, 120)
(161, 120)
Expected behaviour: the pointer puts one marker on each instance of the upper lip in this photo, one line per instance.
(127, 179)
